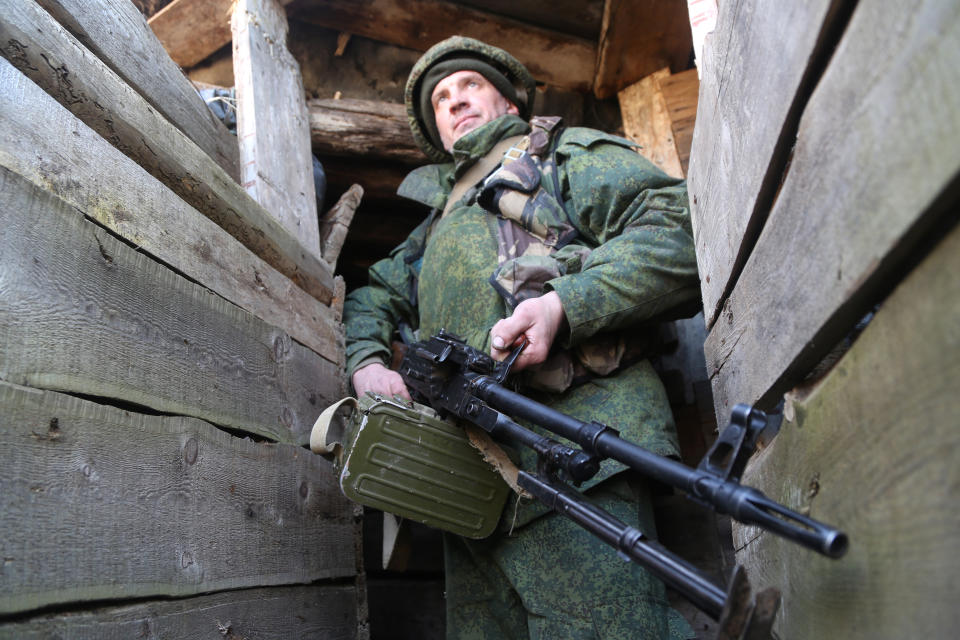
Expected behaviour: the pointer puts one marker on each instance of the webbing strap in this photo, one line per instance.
(479, 171)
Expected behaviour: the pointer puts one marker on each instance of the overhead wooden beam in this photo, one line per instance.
(553, 58)
(366, 128)
(193, 29)
(639, 37)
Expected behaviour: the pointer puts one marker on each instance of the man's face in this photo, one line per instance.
(463, 101)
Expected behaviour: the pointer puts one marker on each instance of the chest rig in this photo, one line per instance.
(533, 231)
(536, 243)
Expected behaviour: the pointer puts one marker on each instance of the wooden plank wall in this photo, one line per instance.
(158, 376)
(825, 183)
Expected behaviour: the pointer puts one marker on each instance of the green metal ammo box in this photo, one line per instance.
(401, 458)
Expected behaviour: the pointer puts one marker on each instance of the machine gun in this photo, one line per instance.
(456, 379)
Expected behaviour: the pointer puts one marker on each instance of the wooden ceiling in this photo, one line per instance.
(582, 52)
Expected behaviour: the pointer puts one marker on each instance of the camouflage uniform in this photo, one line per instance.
(542, 576)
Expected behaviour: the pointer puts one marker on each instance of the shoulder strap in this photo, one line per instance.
(479, 171)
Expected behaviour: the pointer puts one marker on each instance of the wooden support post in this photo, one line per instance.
(272, 123)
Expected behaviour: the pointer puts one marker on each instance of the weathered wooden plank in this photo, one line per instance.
(84, 312)
(680, 93)
(336, 223)
(191, 30)
(578, 17)
(100, 503)
(866, 183)
(124, 198)
(50, 56)
(118, 34)
(874, 448)
(637, 38)
(367, 128)
(316, 611)
(745, 101)
(646, 121)
(276, 167)
(553, 58)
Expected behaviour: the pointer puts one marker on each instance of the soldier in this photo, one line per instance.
(565, 236)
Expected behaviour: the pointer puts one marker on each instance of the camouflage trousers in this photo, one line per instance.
(552, 580)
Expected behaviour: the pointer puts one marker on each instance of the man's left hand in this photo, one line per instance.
(537, 319)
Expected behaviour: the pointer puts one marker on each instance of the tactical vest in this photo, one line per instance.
(536, 243)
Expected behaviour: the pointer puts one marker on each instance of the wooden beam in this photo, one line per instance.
(117, 33)
(246, 613)
(363, 128)
(745, 127)
(873, 448)
(639, 37)
(121, 196)
(276, 167)
(48, 54)
(104, 503)
(336, 223)
(191, 30)
(86, 313)
(868, 183)
(553, 58)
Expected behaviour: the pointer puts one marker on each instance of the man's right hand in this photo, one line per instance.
(379, 379)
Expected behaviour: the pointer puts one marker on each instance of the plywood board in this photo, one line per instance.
(121, 196)
(874, 448)
(118, 34)
(752, 75)
(56, 61)
(276, 166)
(103, 503)
(646, 121)
(84, 312)
(869, 179)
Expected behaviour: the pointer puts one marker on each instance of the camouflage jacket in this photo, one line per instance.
(638, 261)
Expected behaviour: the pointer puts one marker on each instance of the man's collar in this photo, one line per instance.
(477, 143)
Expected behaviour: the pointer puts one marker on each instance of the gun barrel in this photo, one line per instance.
(743, 503)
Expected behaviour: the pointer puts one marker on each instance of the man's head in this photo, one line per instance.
(463, 101)
(460, 84)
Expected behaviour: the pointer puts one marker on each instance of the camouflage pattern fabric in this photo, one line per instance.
(552, 580)
(634, 222)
